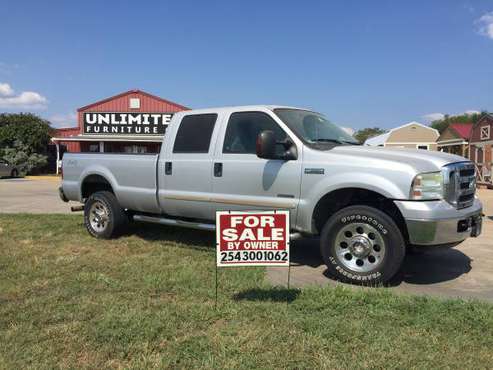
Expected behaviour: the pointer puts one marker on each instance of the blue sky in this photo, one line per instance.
(362, 63)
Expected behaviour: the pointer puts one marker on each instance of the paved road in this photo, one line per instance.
(465, 271)
(31, 196)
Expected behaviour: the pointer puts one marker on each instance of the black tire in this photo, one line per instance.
(372, 226)
(115, 216)
(14, 173)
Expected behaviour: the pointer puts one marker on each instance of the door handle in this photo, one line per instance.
(168, 168)
(218, 169)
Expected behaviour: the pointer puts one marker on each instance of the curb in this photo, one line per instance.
(50, 178)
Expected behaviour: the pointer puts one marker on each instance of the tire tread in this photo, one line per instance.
(396, 255)
(118, 217)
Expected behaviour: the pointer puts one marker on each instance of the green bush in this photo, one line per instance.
(28, 128)
(20, 156)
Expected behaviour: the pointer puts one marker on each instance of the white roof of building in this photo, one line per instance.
(382, 139)
(377, 140)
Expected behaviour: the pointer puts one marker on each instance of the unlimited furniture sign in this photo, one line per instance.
(126, 123)
(252, 238)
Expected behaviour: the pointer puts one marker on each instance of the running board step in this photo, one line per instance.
(174, 222)
(190, 225)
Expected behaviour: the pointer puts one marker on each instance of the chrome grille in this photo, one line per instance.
(459, 181)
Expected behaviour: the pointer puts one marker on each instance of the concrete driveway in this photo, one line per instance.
(465, 271)
(31, 196)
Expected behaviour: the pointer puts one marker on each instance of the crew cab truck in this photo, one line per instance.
(367, 204)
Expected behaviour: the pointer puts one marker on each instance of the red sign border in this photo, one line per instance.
(265, 263)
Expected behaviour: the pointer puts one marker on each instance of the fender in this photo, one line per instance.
(101, 171)
(367, 181)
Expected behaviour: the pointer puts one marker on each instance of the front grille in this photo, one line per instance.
(466, 198)
(467, 172)
(459, 184)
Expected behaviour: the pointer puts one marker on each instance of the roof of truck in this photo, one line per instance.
(243, 108)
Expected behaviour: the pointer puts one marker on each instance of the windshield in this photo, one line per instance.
(313, 128)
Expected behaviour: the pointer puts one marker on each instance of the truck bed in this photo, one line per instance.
(132, 177)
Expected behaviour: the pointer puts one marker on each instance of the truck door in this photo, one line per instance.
(185, 178)
(243, 181)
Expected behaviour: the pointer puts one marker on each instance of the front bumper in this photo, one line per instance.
(438, 222)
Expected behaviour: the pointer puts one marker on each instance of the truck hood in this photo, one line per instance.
(421, 160)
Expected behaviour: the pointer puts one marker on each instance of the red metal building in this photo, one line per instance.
(130, 122)
(481, 148)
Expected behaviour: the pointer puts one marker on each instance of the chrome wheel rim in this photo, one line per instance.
(359, 247)
(98, 216)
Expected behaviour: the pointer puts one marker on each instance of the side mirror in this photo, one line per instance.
(266, 147)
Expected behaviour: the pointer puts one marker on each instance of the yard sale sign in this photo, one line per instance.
(252, 238)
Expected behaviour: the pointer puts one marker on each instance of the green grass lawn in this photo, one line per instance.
(147, 300)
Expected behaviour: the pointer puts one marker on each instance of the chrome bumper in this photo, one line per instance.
(437, 222)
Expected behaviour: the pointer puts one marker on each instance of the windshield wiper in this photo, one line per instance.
(323, 140)
(328, 141)
(351, 142)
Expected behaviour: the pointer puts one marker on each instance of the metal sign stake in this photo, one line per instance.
(289, 278)
(215, 304)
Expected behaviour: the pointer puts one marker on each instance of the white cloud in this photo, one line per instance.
(63, 120)
(6, 90)
(433, 117)
(485, 25)
(436, 116)
(24, 100)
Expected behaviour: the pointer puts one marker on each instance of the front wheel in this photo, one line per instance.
(362, 245)
(103, 216)
(14, 173)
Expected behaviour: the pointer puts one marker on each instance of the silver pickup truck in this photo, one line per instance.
(367, 204)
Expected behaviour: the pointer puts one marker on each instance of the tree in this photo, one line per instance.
(366, 133)
(33, 131)
(20, 156)
(442, 124)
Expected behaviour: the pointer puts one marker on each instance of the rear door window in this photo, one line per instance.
(195, 133)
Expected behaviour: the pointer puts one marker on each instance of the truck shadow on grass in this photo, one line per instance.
(430, 267)
(196, 239)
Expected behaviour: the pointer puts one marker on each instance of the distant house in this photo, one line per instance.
(481, 142)
(411, 135)
(455, 139)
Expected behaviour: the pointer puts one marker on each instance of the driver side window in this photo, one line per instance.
(243, 130)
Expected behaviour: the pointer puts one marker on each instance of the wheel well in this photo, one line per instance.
(94, 183)
(338, 199)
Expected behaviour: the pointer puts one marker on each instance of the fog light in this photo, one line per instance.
(463, 225)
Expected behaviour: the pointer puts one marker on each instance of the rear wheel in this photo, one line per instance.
(103, 216)
(14, 173)
(362, 245)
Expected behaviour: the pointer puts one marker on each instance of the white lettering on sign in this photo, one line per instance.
(126, 123)
(252, 238)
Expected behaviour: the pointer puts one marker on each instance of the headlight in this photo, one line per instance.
(427, 186)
